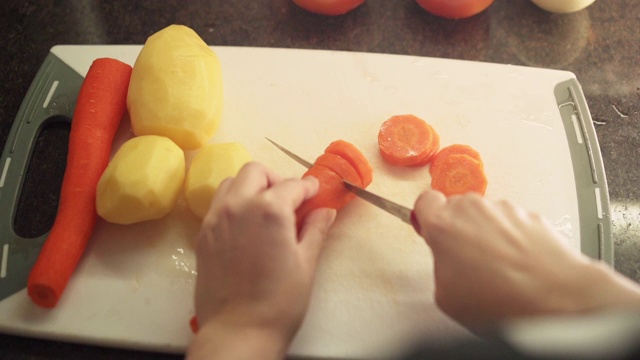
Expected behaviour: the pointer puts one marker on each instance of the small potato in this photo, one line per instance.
(176, 88)
(212, 164)
(142, 182)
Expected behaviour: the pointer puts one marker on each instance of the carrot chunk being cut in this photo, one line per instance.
(340, 161)
(340, 166)
(355, 157)
(458, 174)
(407, 140)
(332, 193)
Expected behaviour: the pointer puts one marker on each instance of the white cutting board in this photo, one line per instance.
(133, 289)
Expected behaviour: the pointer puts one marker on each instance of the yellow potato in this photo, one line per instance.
(211, 165)
(142, 181)
(176, 88)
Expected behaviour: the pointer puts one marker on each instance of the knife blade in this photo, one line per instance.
(401, 212)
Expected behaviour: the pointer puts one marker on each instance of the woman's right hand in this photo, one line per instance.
(494, 261)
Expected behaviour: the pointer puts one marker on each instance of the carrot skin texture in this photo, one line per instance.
(100, 106)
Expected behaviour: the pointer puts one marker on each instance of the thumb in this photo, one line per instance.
(314, 232)
(428, 204)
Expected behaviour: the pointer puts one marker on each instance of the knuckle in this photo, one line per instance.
(229, 210)
(270, 208)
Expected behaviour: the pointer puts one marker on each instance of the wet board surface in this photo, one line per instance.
(134, 286)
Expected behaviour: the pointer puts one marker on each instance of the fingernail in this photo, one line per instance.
(414, 222)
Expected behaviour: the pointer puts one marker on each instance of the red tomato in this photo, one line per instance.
(329, 7)
(455, 9)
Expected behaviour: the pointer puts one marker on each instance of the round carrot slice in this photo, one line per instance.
(349, 152)
(407, 140)
(454, 149)
(459, 174)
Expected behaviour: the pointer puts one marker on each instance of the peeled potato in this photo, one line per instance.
(142, 182)
(212, 164)
(176, 88)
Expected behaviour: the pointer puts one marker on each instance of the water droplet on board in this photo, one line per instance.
(183, 263)
(563, 224)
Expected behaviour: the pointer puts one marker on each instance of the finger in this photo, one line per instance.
(252, 179)
(314, 232)
(513, 212)
(223, 188)
(293, 192)
(428, 203)
(220, 195)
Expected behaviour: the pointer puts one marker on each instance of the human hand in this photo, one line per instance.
(494, 261)
(255, 270)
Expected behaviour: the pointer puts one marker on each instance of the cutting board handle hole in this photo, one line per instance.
(38, 201)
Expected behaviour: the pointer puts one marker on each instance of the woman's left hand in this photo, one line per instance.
(255, 269)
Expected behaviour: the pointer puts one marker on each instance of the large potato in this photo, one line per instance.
(212, 164)
(176, 88)
(142, 181)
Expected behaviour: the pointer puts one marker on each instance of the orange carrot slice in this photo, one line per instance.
(454, 149)
(458, 174)
(355, 157)
(407, 140)
(99, 109)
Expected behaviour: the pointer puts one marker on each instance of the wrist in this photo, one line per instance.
(619, 292)
(217, 339)
(598, 287)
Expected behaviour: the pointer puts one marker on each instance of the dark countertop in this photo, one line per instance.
(599, 44)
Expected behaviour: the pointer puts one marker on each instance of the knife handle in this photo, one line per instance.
(51, 97)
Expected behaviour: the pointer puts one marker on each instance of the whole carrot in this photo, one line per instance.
(100, 106)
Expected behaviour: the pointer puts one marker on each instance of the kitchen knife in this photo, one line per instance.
(401, 212)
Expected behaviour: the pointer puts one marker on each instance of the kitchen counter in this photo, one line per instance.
(597, 44)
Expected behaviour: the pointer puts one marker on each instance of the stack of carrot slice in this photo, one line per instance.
(341, 161)
(458, 169)
(407, 140)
